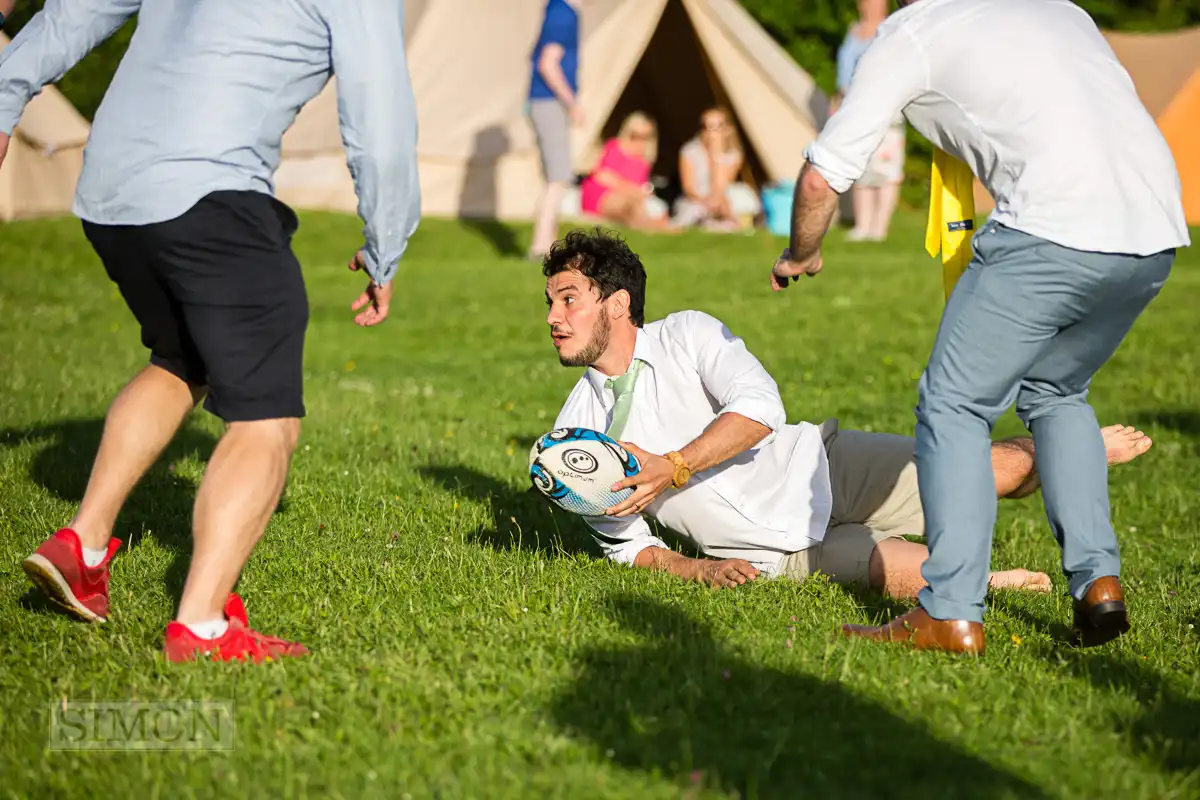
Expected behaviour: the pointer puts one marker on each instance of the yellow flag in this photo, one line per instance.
(951, 216)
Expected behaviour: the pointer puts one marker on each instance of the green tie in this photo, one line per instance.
(622, 389)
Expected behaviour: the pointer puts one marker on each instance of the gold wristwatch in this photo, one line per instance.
(683, 472)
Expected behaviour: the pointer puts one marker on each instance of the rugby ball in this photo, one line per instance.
(576, 468)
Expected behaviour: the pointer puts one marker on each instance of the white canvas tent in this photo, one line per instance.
(470, 66)
(44, 157)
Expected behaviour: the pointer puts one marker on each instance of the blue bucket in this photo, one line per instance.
(777, 206)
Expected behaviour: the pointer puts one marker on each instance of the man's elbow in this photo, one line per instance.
(813, 183)
(773, 420)
(769, 414)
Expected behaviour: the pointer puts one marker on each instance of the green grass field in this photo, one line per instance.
(468, 643)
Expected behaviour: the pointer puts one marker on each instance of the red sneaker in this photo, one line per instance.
(237, 643)
(58, 569)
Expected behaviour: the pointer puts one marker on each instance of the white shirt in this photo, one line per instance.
(771, 500)
(1029, 94)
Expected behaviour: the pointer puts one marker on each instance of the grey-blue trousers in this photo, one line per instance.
(1029, 321)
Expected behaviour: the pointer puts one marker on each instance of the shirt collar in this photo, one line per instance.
(645, 348)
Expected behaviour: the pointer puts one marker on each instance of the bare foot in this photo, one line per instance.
(1020, 579)
(1124, 443)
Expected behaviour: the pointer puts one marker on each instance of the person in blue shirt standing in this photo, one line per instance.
(877, 192)
(176, 198)
(553, 109)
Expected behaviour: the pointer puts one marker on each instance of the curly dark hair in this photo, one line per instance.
(608, 264)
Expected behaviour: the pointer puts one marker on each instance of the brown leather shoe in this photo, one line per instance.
(1101, 616)
(925, 633)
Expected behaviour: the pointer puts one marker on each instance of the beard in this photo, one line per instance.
(595, 347)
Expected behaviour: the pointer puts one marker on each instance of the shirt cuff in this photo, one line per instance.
(10, 115)
(375, 269)
(626, 552)
(839, 173)
(764, 412)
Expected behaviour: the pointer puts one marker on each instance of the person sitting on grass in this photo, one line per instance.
(720, 466)
(709, 164)
(619, 187)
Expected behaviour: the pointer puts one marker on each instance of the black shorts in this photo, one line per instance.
(220, 298)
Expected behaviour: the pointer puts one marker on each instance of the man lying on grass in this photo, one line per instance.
(720, 466)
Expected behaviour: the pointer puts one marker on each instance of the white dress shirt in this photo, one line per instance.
(1029, 94)
(771, 500)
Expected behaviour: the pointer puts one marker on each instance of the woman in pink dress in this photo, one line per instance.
(617, 189)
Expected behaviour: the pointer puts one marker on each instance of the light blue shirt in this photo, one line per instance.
(207, 89)
(848, 55)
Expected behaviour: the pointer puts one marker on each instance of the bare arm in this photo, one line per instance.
(812, 212)
(751, 409)
(724, 175)
(611, 180)
(687, 178)
(718, 573)
(727, 436)
(813, 204)
(550, 68)
(890, 75)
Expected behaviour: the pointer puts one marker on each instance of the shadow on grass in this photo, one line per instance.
(678, 704)
(500, 236)
(881, 609)
(1168, 728)
(161, 504)
(521, 519)
(481, 192)
(1183, 421)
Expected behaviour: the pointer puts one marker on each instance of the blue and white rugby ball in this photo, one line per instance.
(576, 468)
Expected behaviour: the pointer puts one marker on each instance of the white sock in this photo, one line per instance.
(213, 629)
(94, 558)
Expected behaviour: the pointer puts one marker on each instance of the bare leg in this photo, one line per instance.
(141, 422)
(545, 226)
(1013, 464)
(863, 199)
(1016, 471)
(240, 491)
(895, 570)
(629, 208)
(895, 566)
(886, 199)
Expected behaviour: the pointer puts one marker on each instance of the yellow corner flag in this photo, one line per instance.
(951, 216)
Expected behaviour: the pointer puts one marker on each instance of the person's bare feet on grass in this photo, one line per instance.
(1124, 443)
(1020, 579)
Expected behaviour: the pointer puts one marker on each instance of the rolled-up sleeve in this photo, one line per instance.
(890, 75)
(52, 42)
(729, 371)
(622, 538)
(378, 117)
